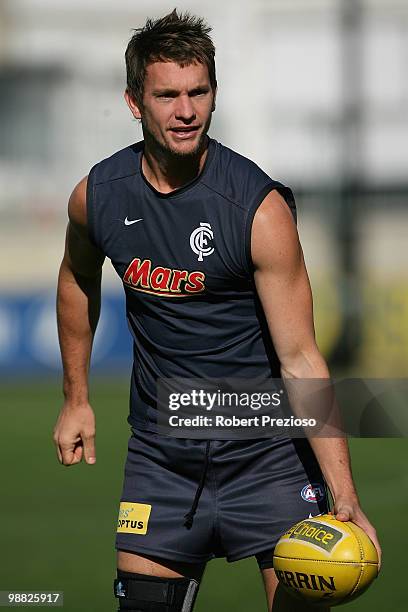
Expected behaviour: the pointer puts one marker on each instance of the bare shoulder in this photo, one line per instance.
(77, 204)
(274, 234)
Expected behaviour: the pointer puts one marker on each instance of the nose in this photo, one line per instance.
(185, 109)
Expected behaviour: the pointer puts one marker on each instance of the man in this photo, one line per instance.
(235, 303)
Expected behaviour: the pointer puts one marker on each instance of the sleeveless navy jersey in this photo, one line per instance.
(185, 262)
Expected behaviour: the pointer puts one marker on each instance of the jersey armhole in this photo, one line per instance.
(90, 206)
(286, 193)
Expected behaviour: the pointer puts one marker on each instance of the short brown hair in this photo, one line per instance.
(180, 38)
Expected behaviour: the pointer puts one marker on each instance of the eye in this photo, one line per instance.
(165, 96)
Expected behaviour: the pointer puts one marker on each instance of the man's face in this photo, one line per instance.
(177, 106)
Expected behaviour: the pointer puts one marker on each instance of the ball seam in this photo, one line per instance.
(324, 560)
(357, 536)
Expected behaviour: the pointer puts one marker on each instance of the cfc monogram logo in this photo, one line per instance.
(199, 241)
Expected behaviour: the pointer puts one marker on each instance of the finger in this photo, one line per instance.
(343, 514)
(59, 454)
(372, 534)
(72, 454)
(378, 547)
(67, 457)
(78, 453)
(89, 449)
(57, 447)
(57, 450)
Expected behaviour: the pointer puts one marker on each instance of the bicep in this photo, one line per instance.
(281, 278)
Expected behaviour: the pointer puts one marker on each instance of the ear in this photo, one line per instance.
(132, 104)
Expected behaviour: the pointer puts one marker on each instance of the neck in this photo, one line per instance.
(167, 172)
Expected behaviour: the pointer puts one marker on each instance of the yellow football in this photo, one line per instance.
(326, 561)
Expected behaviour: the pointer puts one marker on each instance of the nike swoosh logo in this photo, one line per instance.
(127, 222)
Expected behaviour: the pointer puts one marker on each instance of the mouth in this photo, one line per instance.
(185, 132)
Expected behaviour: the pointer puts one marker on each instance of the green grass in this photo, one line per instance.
(57, 524)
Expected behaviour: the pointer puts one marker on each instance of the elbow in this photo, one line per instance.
(304, 363)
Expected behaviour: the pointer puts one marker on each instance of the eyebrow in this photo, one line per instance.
(175, 92)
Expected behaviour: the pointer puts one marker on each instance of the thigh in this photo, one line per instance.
(159, 488)
(279, 600)
(157, 566)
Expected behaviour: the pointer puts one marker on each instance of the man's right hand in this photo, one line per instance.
(74, 434)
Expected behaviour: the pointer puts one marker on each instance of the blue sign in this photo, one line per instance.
(29, 338)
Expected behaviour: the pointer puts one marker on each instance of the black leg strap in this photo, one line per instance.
(152, 593)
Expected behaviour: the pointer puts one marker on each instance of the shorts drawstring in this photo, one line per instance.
(189, 517)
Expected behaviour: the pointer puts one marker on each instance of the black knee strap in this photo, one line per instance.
(144, 593)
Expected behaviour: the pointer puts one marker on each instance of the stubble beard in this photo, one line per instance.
(164, 149)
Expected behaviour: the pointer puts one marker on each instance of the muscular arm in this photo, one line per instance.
(78, 305)
(284, 290)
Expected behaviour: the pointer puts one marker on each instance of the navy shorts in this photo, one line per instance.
(193, 500)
